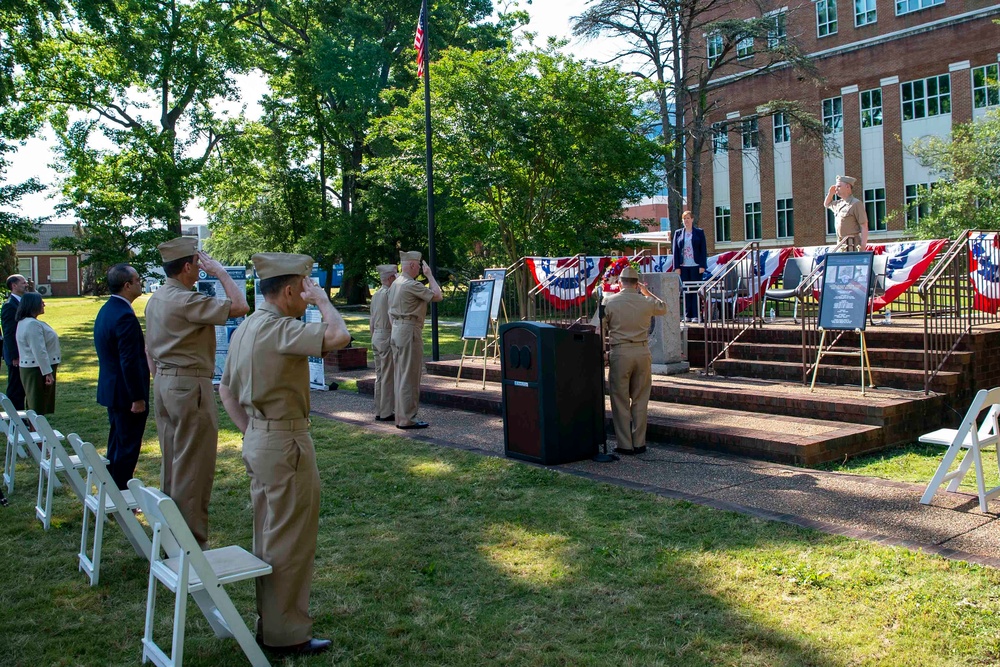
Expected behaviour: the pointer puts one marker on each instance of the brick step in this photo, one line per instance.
(792, 440)
(899, 338)
(846, 356)
(896, 378)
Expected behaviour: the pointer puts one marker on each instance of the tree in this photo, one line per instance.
(660, 33)
(968, 194)
(536, 151)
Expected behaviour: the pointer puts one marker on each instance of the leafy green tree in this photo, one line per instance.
(536, 151)
(968, 194)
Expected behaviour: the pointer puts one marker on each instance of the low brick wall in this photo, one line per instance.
(347, 359)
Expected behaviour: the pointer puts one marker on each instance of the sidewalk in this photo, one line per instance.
(858, 507)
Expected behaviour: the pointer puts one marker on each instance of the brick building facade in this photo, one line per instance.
(892, 71)
(52, 272)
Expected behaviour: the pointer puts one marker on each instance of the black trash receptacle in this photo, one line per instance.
(553, 392)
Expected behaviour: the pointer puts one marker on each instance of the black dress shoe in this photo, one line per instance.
(311, 647)
(390, 418)
(630, 452)
(414, 425)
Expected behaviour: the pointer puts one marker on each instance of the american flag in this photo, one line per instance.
(418, 41)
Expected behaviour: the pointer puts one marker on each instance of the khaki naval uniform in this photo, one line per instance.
(408, 301)
(852, 221)
(381, 329)
(627, 315)
(180, 337)
(267, 371)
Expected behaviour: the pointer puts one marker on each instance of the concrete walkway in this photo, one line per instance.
(859, 507)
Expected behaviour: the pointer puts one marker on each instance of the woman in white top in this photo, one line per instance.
(38, 346)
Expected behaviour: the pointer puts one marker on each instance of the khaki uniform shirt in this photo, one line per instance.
(379, 309)
(408, 300)
(627, 315)
(851, 218)
(266, 386)
(180, 326)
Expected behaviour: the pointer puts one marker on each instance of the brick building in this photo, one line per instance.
(52, 272)
(893, 71)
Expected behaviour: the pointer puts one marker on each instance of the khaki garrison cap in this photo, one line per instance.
(412, 256)
(386, 270)
(182, 246)
(629, 272)
(848, 180)
(274, 264)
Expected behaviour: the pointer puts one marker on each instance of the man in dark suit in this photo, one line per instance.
(123, 378)
(15, 390)
(691, 259)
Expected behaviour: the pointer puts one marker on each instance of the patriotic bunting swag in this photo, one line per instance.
(984, 252)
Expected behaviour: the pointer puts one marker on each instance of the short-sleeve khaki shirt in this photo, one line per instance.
(267, 369)
(180, 326)
(408, 300)
(851, 218)
(379, 310)
(627, 315)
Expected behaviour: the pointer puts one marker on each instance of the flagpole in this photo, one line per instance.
(431, 254)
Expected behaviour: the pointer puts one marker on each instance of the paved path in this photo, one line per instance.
(859, 507)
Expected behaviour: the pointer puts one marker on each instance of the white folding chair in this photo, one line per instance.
(55, 460)
(187, 569)
(971, 436)
(18, 438)
(103, 497)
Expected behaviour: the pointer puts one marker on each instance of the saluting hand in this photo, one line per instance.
(312, 293)
(210, 266)
(425, 268)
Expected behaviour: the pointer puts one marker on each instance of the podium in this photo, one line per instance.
(553, 393)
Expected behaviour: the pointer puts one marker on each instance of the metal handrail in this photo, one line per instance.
(942, 264)
(560, 272)
(724, 332)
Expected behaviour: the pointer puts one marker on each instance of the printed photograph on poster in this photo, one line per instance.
(497, 276)
(477, 309)
(209, 286)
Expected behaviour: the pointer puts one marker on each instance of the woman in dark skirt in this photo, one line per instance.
(38, 346)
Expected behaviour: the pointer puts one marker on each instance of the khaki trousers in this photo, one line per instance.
(187, 422)
(284, 489)
(408, 360)
(385, 396)
(629, 380)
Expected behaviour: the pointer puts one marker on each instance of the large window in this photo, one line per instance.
(864, 12)
(826, 17)
(831, 219)
(753, 228)
(911, 198)
(871, 107)
(985, 86)
(57, 270)
(776, 34)
(24, 268)
(786, 226)
(744, 47)
(833, 115)
(714, 48)
(751, 137)
(720, 138)
(782, 132)
(924, 98)
(723, 218)
(907, 6)
(875, 208)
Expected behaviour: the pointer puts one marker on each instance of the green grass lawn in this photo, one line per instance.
(432, 557)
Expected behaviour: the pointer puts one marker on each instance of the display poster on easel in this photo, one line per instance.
(210, 286)
(847, 280)
(476, 325)
(497, 276)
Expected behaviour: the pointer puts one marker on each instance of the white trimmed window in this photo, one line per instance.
(57, 270)
(754, 230)
(864, 12)
(907, 6)
(871, 107)
(751, 137)
(714, 48)
(776, 34)
(925, 98)
(875, 208)
(720, 138)
(744, 48)
(985, 86)
(782, 132)
(786, 223)
(833, 115)
(826, 18)
(723, 219)
(24, 265)
(831, 219)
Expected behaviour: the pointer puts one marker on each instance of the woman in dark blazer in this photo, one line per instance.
(691, 259)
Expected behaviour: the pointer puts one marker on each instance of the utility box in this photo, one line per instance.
(553, 392)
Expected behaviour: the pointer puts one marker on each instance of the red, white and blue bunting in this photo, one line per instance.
(908, 261)
(566, 291)
(984, 251)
